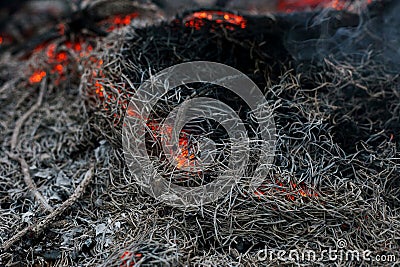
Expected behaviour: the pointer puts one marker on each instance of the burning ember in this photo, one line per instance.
(187, 157)
(229, 20)
(58, 56)
(118, 21)
(129, 259)
(292, 190)
(37, 76)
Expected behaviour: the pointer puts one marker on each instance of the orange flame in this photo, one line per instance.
(186, 157)
(58, 60)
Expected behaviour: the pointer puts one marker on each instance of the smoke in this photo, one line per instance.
(371, 33)
(390, 28)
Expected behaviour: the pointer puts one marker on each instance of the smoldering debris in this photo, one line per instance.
(334, 90)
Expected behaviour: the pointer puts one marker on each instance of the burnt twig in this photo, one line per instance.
(22, 119)
(42, 224)
(30, 183)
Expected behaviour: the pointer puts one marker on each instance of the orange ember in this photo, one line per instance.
(127, 256)
(37, 76)
(99, 89)
(196, 20)
(5, 39)
(186, 157)
(299, 5)
(98, 73)
(58, 68)
(51, 51)
(62, 56)
(57, 57)
(120, 21)
(292, 190)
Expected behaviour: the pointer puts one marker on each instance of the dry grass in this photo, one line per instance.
(338, 126)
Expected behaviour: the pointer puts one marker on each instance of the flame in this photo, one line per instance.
(196, 20)
(59, 68)
(99, 89)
